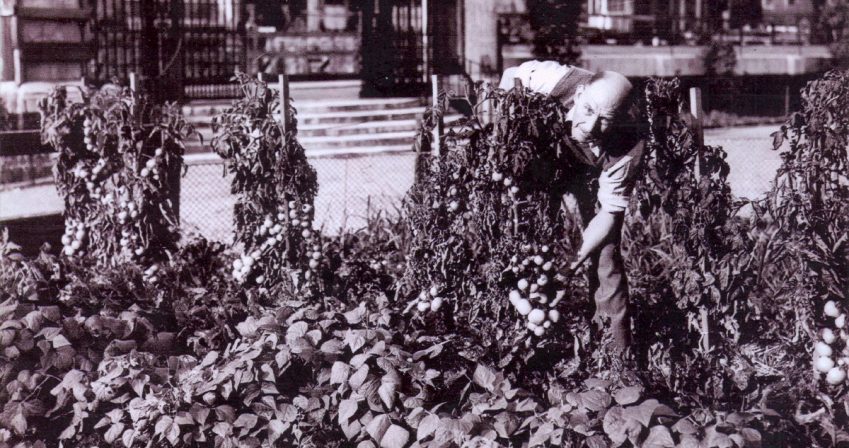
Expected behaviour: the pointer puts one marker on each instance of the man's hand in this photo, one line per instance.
(577, 262)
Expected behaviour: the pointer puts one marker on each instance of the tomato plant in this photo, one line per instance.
(488, 233)
(275, 188)
(118, 158)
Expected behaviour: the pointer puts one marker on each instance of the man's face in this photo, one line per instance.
(594, 109)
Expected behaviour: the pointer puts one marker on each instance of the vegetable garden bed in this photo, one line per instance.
(413, 333)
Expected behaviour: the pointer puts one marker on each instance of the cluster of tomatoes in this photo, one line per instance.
(824, 351)
(429, 300)
(150, 274)
(73, 241)
(275, 228)
(535, 295)
(152, 165)
(511, 190)
(91, 178)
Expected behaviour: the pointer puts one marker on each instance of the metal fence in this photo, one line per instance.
(351, 188)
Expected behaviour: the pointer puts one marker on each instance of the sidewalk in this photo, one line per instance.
(344, 184)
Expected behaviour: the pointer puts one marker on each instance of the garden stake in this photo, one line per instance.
(699, 140)
(517, 84)
(283, 85)
(437, 118)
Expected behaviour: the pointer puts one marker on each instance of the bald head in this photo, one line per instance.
(596, 105)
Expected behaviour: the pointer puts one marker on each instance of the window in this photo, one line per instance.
(616, 6)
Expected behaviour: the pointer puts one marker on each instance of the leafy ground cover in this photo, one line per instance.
(414, 332)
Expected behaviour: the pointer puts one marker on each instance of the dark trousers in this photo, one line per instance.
(608, 284)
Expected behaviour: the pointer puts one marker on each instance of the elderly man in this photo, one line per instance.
(604, 141)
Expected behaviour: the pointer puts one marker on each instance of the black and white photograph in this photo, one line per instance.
(424, 223)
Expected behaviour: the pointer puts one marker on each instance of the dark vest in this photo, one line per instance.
(565, 89)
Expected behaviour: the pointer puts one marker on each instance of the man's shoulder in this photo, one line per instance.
(629, 152)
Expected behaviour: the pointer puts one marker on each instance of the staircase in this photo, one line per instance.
(335, 126)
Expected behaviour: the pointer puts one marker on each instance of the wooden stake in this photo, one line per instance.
(283, 85)
(698, 128)
(437, 129)
(787, 99)
(699, 140)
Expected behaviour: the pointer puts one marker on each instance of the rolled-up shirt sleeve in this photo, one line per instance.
(615, 185)
(539, 76)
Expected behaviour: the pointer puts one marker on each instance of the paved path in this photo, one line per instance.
(751, 157)
(348, 187)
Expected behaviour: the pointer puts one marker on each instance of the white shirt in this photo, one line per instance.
(539, 76)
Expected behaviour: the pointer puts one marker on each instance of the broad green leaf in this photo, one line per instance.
(115, 431)
(541, 435)
(688, 441)
(355, 341)
(287, 412)
(332, 346)
(659, 437)
(276, 429)
(642, 412)
(597, 383)
(15, 419)
(60, 341)
(427, 426)
(351, 429)
(296, 330)
(387, 394)
(524, 405)
(716, 439)
(395, 437)
(246, 420)
(167, 429)
(199, 413)
(378, 426)
(339, 372)
(685, 426)
(752, 437)
(596, 441)
(225, 413)
(627, 395)
(430, 352)
(209, 359)
(484, 377)
(128, 436)
(347, 408)
(356, 315)
(359, 359)
(359, 377)
(183, 418)
(615, 425)
(595, 400)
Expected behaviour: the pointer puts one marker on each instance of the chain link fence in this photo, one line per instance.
(350, 188)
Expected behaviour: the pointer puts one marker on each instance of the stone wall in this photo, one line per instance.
(688, 60)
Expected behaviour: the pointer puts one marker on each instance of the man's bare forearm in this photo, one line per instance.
(600, 228)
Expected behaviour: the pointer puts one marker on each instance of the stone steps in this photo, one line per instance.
(334, 126)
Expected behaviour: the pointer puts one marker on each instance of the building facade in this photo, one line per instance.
(392, 45)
